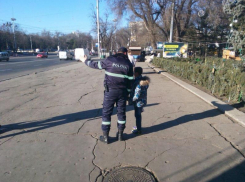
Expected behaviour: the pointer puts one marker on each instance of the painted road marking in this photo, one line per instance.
(6, 70)
(24, 62)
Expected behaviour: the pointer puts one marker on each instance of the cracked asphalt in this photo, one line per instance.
(51, 122)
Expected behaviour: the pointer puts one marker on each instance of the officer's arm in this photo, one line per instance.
(93, 64)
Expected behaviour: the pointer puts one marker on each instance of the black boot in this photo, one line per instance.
(105, 137)
(120, 135)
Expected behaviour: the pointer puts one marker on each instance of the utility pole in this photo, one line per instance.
(31, 43)
(111, 42)
(13, 19)
(115, 20)
(92, 46)
(59, 42)
(172, 24)
(98, 28)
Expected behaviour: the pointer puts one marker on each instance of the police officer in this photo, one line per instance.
(118, 82)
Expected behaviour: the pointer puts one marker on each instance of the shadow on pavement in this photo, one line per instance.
(147, 73)
(236, 173)
(96, 114)
(56, 121)
(181, 120)
(239, 105)
(159, 72)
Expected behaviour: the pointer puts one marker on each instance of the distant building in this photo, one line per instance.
(136, 28)
(137, 24)
(76, 33)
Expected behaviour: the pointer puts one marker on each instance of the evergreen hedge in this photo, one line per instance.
(223, 78)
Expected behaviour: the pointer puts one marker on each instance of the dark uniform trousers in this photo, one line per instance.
(112, 96)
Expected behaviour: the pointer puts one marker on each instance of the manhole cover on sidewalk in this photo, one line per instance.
(129, 174)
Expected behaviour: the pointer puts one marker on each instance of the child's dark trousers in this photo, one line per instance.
(137, 114)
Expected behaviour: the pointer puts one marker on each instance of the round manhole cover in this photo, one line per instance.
(129, 174)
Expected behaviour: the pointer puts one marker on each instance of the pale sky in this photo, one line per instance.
(53, 15)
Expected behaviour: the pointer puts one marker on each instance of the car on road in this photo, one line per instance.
(42, 55)
(80, 52)
(65, 55)
(4, 56)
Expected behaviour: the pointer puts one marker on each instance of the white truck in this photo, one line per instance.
(80, 52)
(65, 55)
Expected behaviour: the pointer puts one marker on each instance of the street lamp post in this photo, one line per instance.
(98, 28)
(201, 14)
(58, 43)
(115, 20)
(172, 24)
(13, 19)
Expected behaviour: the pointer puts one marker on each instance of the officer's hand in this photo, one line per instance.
(83, 58)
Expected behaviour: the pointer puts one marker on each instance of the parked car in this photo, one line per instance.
(42, 55)
(4, 56)
(65, 55)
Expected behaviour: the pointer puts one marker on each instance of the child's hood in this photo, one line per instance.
(145, 81)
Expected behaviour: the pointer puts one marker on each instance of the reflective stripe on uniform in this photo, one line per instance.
(106, 122)
(129, 90)
(121, 122)
(119, 75)
(88, 63)
(99, 65)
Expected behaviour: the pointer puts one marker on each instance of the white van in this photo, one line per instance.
(65, 55)
(80, 52)
(4, 56)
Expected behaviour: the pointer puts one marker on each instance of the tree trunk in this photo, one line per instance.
(153, 39)
(177, 34)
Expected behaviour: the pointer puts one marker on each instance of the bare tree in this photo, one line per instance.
(183, 10)
(5, 36)
(122, 36)
(182, 17)
(45, 40)
(107, 29)
(146, 10)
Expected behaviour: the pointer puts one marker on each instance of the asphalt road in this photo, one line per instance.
(19, 66)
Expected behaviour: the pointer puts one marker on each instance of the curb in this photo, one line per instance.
(228, 110)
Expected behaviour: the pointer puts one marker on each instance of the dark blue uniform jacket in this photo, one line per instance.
(118, 71)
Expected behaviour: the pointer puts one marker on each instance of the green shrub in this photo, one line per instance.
(223, 78)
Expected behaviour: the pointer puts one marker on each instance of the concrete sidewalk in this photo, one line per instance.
(51, 124)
